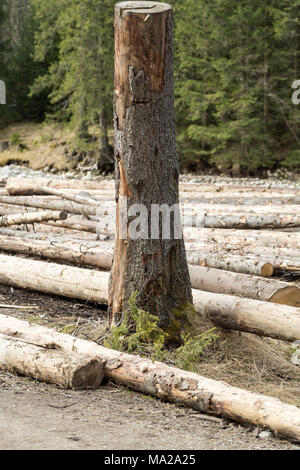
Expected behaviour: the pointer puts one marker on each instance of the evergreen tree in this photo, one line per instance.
(81, 77)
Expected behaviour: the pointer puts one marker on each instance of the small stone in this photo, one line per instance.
(264, 434)
(294, 447)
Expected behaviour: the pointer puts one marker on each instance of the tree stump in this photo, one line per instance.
(146, 165)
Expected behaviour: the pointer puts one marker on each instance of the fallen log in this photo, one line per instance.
(213, 280)
(78, 252)
(66, 369)
(250, 221)
(31, 217)
(253, 316)
(242, 237)
(223, 260)
(243, 285)
(30, 186)
(88, 201)
(53, 278)
(23, 186)
(169, 383)
(49, 204)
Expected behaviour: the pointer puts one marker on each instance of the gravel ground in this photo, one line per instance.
(39, 416)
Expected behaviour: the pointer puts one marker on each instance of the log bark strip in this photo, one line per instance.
(169, 383)
(66, 369)
(147, 170)
(31, 217)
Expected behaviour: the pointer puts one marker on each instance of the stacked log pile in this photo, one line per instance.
(244, 239)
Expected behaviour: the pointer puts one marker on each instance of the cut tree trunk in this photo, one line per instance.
(147, 170)
(66, 369)
(169, 383)
(88, 201)
(243, 285)
(31, 217)
(253, 316)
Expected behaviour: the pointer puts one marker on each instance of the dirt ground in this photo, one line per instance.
(35, 415)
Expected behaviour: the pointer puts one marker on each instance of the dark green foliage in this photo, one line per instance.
(235, 63)
(139, 333)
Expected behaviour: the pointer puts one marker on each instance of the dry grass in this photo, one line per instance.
(253, 363)
(46, 144)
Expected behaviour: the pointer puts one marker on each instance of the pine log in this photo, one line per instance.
(262, 318)
(250, 221)
(212, 280)
(49, 204)
(31, 217)
(169, 383)
(21, 186)
(79, 252)
(253, 316)
(223, 260)
(31, 186)
(53, 278)
(88, 201)
(243, 285)
(242, 237)
(66, 369)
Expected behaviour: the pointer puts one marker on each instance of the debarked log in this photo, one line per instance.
(169, 383)
(31, 217)
(66, 369)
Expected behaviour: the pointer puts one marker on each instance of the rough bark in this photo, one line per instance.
(147, 170)
(243, 285)
(66, 369)
(31, 217)
(169, 383)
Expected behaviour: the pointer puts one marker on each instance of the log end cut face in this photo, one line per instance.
(143, 7)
